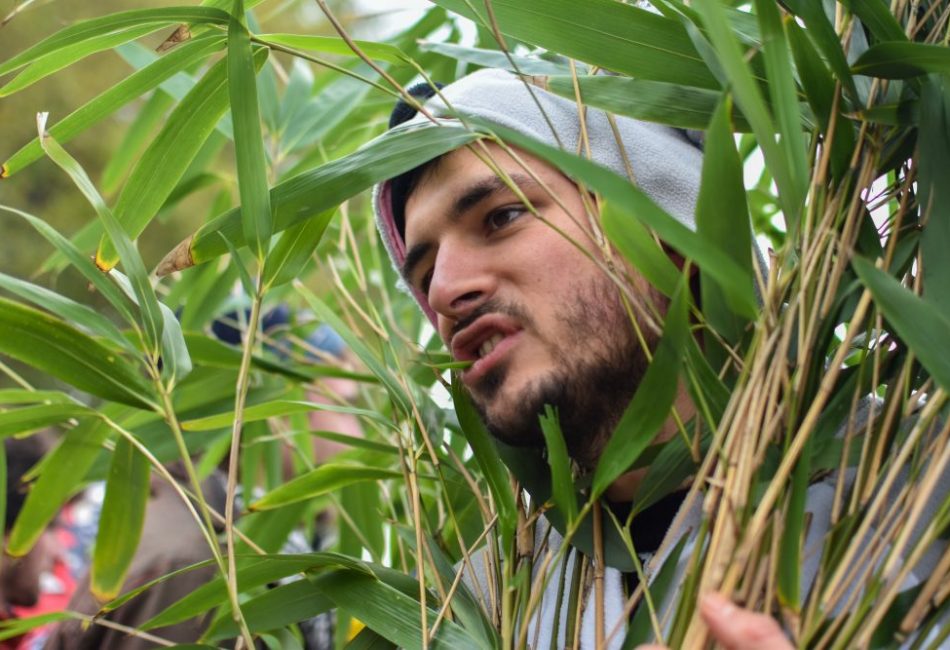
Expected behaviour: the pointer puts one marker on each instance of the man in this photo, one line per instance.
(501, 251)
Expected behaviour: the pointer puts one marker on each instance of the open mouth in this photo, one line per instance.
(484, 343)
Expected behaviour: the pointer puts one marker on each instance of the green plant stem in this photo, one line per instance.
(239, 400)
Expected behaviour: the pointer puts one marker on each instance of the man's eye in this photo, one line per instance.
(498, 219)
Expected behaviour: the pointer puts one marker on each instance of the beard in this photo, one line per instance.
(596, 371)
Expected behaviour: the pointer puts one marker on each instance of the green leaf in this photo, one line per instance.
(23, 396)
(877, 17)
(116, 97)
(63, 470)
(612, 35)
(248, 141)
(121, 521)
(792, 539)
(284, 605)
(163, 164)
(33, 418)
(15, 627)
(790, 177)
(294, 249)
(496, 59)
(145, 295)
(66, 56)
(83, 264)
(722, 220)
(562, 480)
(640, 628)
(902, 60)
(52, 346)
(390, 612)
(934, 192)
(921, 325)
(88, 29)
(650, 406)
(278, 408)
(494, 471)
(129, 149)
(631, 203)
(322, 480)
(335, 45)
(67, 309)
(312, 193)
(252, 571)
(822, 32)
(676, 105)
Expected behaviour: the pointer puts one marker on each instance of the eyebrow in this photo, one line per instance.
(473, 195)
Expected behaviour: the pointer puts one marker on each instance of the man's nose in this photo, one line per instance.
(461, 281)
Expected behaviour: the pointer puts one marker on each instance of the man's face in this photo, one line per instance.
(539, 320)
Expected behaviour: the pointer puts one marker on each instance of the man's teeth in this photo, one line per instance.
(485, 348)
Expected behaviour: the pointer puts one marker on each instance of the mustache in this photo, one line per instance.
(493, 306)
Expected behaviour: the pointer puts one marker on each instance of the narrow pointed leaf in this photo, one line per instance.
(902, 60)
(248, 142)
(612, 35)
(562, 481)
(922, 326)
(934, 190)
(121, 521)
(138, 276)
(294, 249)
(278, 408)
(650, 406)
(63, 471)
(722, 219)
(83, 264)
(162, 165)
(106, 103)
(335, 45)
(33, 418)
(56, 348)
(88, 29)
(653, 101)
(497, 59)
(322, 480)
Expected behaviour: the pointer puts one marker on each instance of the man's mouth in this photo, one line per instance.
(484, 342)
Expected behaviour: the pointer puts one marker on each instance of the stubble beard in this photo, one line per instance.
(597, 369)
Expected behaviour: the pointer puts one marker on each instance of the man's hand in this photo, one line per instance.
(736, 628)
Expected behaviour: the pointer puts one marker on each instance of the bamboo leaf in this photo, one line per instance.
(248, 142)
(83, 264)
(67, 309)
(651, 404)
(496, 59)
(640, 627)
(145, 295)
(562, 480)
(877, 16)
(612, 35)
(335, 45)
(653, 101)
(63, 470)
(165, 161)
(23, 396)
(278, 408)
(146, 120)
(322, 480)
(390, 612)
(312, 193)
(122, 520)
(792, 183)
(921, 325)
(902, 60)
(722, 220)
(293, 250)
(33, 418)
(66, 56)
(52, 346)
(822, 31)
(116, 97)
(88, 29)
(252, 571)
(496, 475)
(934, 192)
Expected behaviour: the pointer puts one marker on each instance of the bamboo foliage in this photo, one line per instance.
(827, 133)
